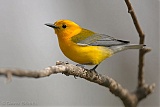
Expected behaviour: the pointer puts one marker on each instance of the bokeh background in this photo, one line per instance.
(26, 43)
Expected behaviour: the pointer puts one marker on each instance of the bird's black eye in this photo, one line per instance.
(64, 26)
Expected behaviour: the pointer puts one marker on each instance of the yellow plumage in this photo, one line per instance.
(88, 55)
(86, 47)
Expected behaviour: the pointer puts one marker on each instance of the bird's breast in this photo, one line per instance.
(91, 55)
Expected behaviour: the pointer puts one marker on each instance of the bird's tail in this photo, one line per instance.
(125, 47)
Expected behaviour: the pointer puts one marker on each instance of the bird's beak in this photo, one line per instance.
(51, 25)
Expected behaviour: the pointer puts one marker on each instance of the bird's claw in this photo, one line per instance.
(93, 70)
(75, 77)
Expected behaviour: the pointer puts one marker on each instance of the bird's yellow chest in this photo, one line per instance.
(90, 55)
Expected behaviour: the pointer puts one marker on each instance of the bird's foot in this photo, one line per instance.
(75, 77)
(94, 70)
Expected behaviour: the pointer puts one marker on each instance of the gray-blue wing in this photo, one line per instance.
(101, 40)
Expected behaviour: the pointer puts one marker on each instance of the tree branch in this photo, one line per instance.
(127, 97)
(134, 18)
(142, 52)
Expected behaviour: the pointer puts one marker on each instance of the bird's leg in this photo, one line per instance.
(94, 69)
(91, 70)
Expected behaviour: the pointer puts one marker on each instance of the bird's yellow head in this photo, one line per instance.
(65, 28)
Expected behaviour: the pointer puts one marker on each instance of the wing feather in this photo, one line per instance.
(89, 38)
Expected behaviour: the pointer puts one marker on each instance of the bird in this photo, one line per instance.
(87, 47)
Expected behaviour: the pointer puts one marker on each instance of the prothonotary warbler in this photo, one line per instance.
(85, 46)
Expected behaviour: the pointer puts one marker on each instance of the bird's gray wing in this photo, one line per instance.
(101, 40)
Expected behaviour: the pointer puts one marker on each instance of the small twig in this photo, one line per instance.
(134, 18)
(141, 80)
(142, 52)
(142, 87)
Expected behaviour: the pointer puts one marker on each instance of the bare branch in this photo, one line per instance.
(69, 69)
(142, 52)
(129, 99)
(142, 87)
(134, 18)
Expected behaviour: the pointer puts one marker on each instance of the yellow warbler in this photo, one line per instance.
(87, 47)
